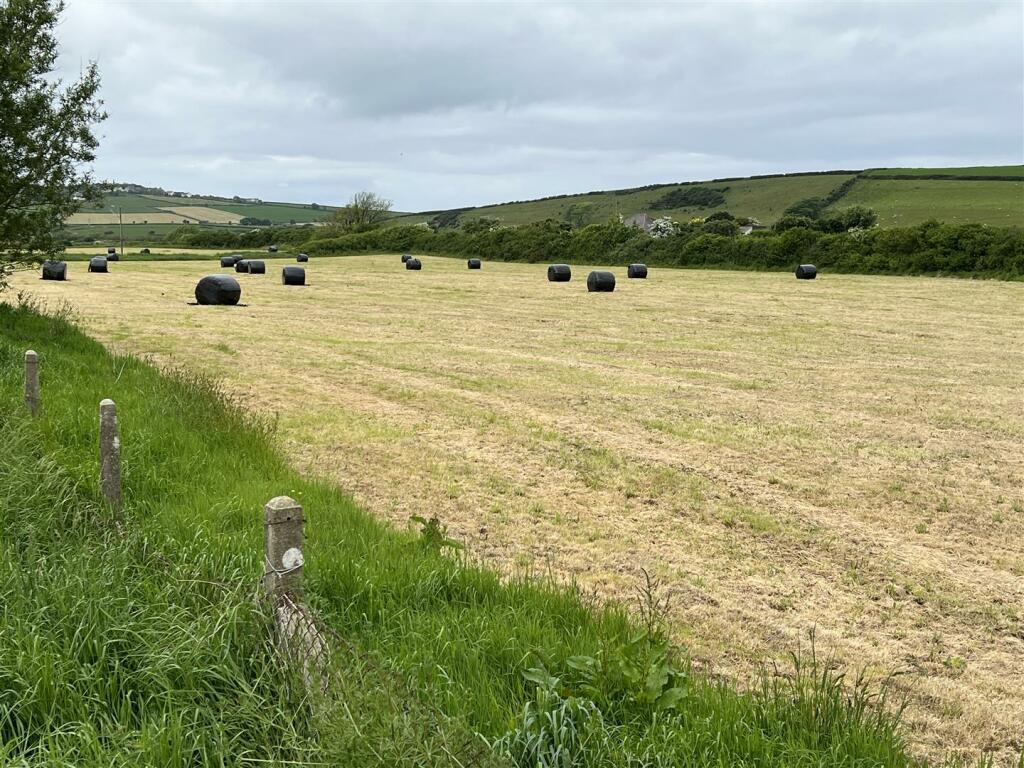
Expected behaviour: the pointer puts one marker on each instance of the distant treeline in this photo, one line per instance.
(929, 248)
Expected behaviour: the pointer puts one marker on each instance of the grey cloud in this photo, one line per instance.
(438, 105)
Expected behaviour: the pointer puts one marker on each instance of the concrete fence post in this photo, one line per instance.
(110, 454)
(282, 540)
(32, 381)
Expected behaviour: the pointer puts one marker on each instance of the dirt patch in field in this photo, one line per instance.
(841, 456)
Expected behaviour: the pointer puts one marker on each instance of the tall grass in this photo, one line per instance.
(153, 631)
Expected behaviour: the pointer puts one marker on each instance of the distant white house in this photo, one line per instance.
(640, 221)
(753, 226)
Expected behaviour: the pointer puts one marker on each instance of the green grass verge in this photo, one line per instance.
(143, 645)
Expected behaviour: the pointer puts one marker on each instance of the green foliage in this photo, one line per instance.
(46, 137)
(446, 219)
(725, 227)
(554, 731)
(930, 248)
(477, 226)
(855, 217)
(434, 534)
(364, 212)
(581, 214)
(720, 215)
(689, 196)
(810, 208)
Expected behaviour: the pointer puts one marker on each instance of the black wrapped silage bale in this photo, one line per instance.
(113, 257)
(293, 276)
(637, 271)
(271, 249)
(601, 282)
(806, 272)
(111, 249)
(242, 265)
(218, 289)
(405, 257)
(302, 257)
(473, 264)
(144, 250)
(257, 267)
(413, 264)
(559, 273)
(55, 270)
(227, 261)
(236, 257)
(98, 264)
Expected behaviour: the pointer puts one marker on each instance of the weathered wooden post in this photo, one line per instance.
(32, 381)
(282, 543)
(110, 454)
(300, 640)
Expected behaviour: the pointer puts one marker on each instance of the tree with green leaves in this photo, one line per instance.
(365, 211)
(46, 133)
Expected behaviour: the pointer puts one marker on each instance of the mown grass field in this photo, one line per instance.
(841, 455)
(135, 638)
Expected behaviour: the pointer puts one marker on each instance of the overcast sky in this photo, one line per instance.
(443, 105)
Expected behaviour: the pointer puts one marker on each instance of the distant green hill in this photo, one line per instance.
(901, 196)
(151, 216)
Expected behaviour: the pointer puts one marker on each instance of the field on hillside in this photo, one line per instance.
(764, 199)
(842, 455)
(142, 210)
(978, 170)
(899, 202)
(905, 203)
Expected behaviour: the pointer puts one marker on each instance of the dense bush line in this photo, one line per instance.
(929, 248)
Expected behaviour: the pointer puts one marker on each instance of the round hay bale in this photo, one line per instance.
(98, 264)
(405, 257)
(55, 270)
(144, 250)
(113, 257)
(559, 273)
(293, 276)
(241, 265)
(602, 282)
(806, 272)
(302, 257)
(271, 249)
(227, 261)
(218, 289)
(257, 267)
(637, 271)
(413, 264)
(473, 264)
